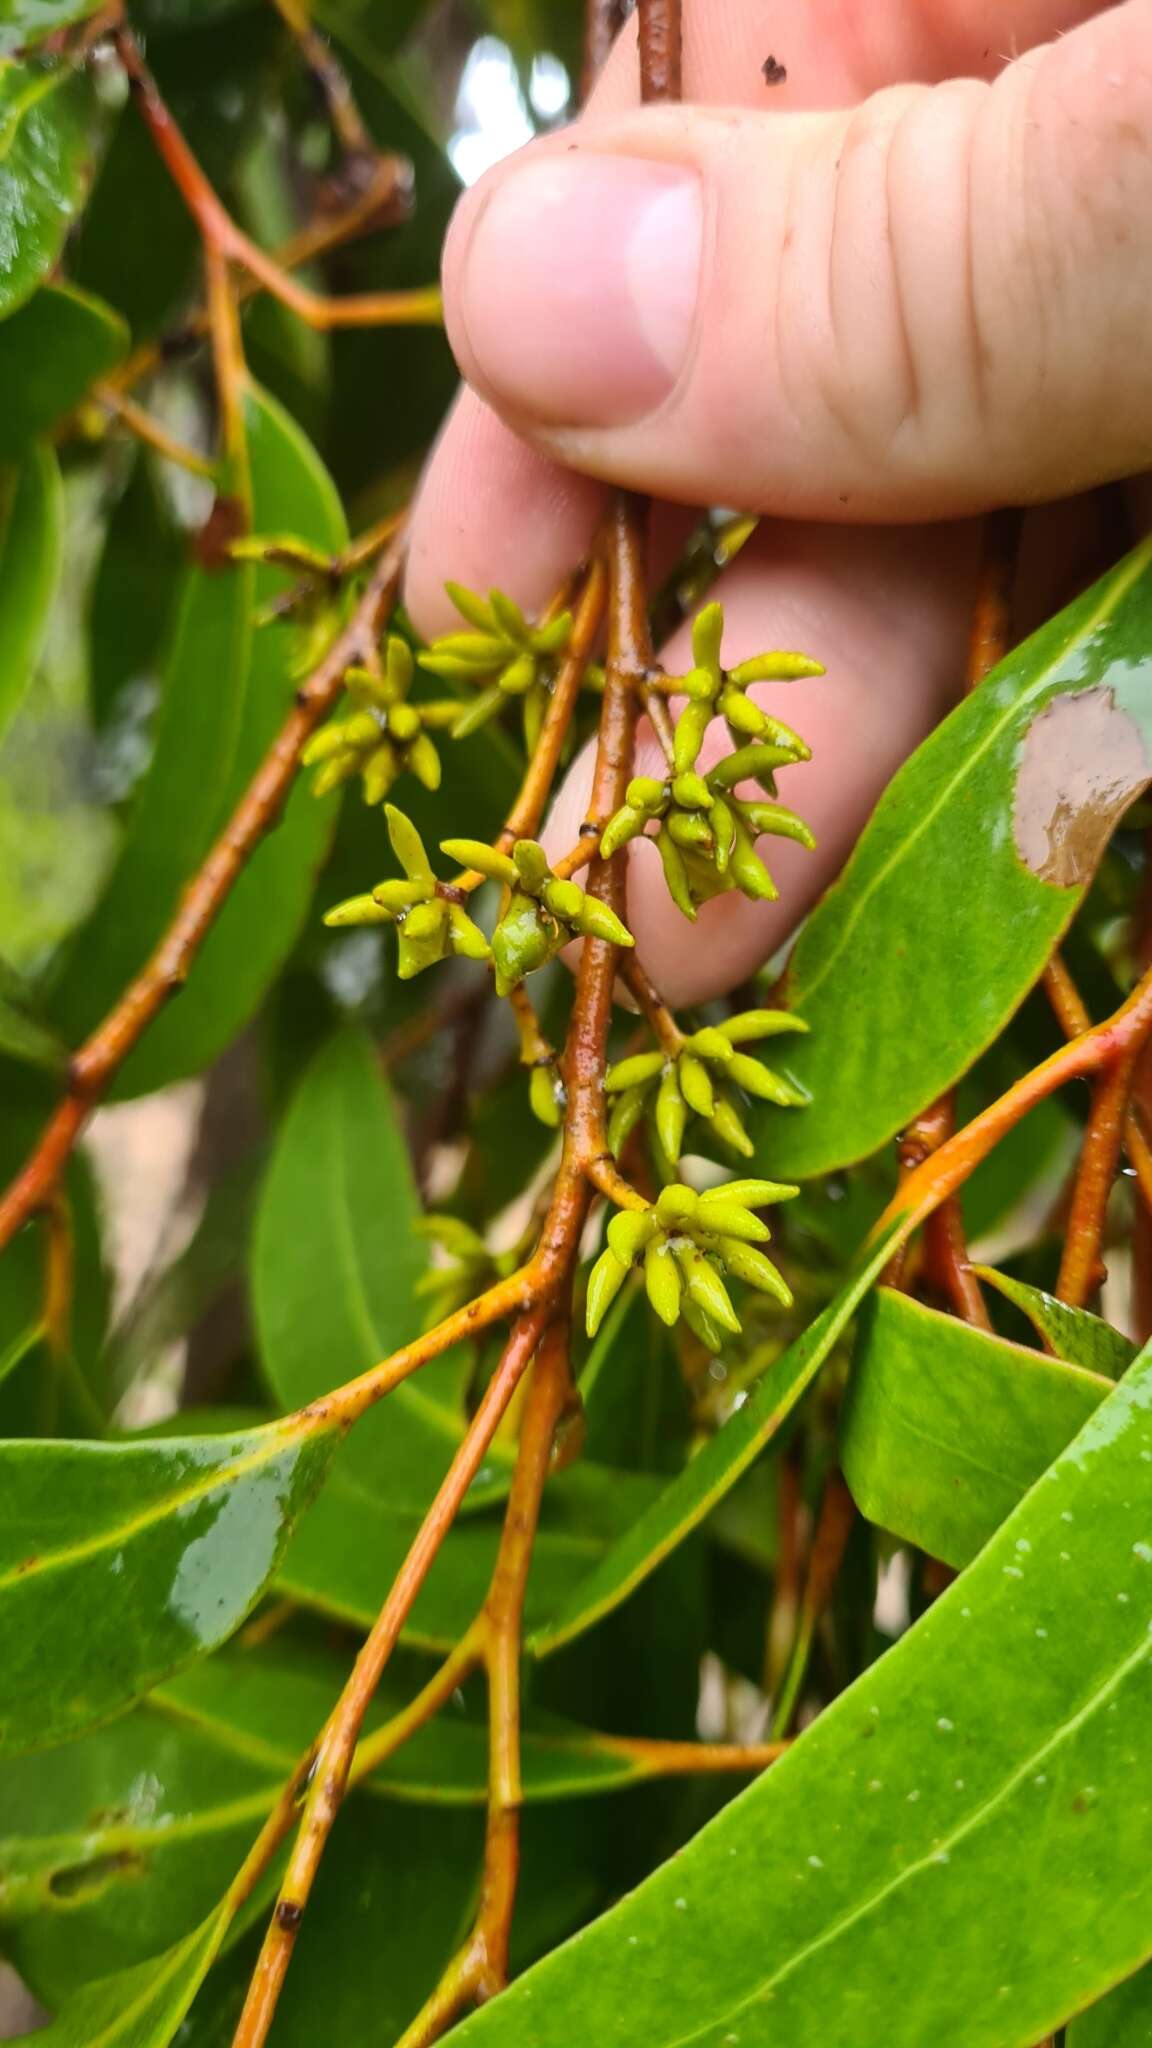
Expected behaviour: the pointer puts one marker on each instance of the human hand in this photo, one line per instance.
(836, 299)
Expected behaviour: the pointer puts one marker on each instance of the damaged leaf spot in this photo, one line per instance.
(76, 1880)
(1083, 761)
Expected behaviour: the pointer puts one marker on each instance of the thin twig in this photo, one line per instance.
(1082, 1268)
(146, 427)
(164, 973)
(660, 50)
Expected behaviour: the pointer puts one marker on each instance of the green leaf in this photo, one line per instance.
(121, 1562)
(113, 1845)
(945, 1427)
(43, 161)
(340, 1183)
(885, 1865)
(683, 1504)
(141, 2007)
(22, 1035)
(30, 549)
(1071, 1333)
(208, 746)
(1122, 2020)
(970, 868)
(349, 1549)
(51, 353)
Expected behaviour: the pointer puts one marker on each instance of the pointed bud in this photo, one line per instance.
(627, 1111)
(359, 910)
(723, 826)
(519, 675)
(476, 853)
(408, 845)
(671, 1114)
(662, 1280)
(604, 1283)
(730, 1219)
(467, 938)
(403, 722)
(729, 1128)
(777, 667)
(645, 794)
(690, 791)
(690, 831)
(748, 870)
(745, 1263)
(676, 875)
(696, 1084)
(471, 607)
(676, 1205)
(629, 1231)
(750, 764)
(544, 1096)
(742, 716)
(710, 1043)
(702, 1325)
(521, 942)
(633, 1072)
(554, 637)
(707, 636)
(779, 822)
(564, 899)
(752, 1024)
(531, 863)
(625, 824)
(508, 615)
(688, 737)
(323, 745)
(476, 714)
(424, 761)
(758, 1080)
(707, 1291)
(596, 921)
(756, 1194)
(336, 769)
(379, 773)
(398, 896)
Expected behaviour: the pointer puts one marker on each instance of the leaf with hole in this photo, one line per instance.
(998, 820)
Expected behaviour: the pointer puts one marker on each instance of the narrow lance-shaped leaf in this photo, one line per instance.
(889, 1863)
(30, 544)
(121, 1562)
(208, 745)
(971, 866)
(945, 1427)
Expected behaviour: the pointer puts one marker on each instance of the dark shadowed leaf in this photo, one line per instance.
(1122, 2020)
(30, 541)
(997, 822)
(882, 1867)
(22, 1034)
(340, 1182)
(141, 2007)
(945, 1427)
(209, 743)
(121, 1562)
(51, 352)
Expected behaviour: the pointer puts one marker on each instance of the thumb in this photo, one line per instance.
(933, 303)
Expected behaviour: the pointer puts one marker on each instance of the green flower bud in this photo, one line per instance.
(596, 921)
(633, 1072)
(545, 1095)
(554, 637)
(729, 1128)
(745, 1263)
(564, 899)
(476, 853)
(624, 824)
(467, 938)
(531, 863)
(408, 846)
(403, 722)
(748, 870)
(424, 761)
(323, 745)
(508, 615)
(699, 684)
(426, 920)
(730, 1219)
(691, 791)
(706, 1291)
(662, 1280)
(519, 675)
(707, 636)
(472, 607)
(752, 1024)
(779, 822)
(757, 1194)
(423, 939)
(696, 1084)
(723, 826)
(604, 1283)
(476, 714)
(774, 668)
(671, 1113)
(676, 875)
(397, 896)
(750, 764)
(362, 730)
(710, 1043)
(688, 737)
(702, 1325)
(359, 910)
(690, 831)
(627, 1111)
(521, 942)
(331, 773)
(629, 1231)
(758, 1080)
(379, 772)
(741, 716)
(676, 1205)
(645, 794)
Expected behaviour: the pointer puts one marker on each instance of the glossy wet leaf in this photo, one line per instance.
(889, 1862)
(945, 1427)
(687, 1499)
(44, 117)
(348, 1550)
(340, 1182)
(121, 1562)
(996, 822)
(51, 353)
(1073, 1334)
(30, 545)
(208, 744)
(141, 2007)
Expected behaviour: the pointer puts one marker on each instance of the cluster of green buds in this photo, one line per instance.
(504, 655)
(469, 1266)
(701, 1078)
(544, 912)
(383, 735)
(687, 1242)
(430, 923)
(705, 834)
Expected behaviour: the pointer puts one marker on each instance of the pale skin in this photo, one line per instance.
(911, 282)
